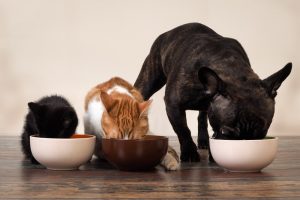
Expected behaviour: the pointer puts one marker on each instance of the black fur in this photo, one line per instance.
(212, 74)
(50, 117)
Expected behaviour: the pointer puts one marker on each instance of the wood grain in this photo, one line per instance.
(98, 180)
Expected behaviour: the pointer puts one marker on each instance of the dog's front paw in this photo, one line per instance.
(189, 153)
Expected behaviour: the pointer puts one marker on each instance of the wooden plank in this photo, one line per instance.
(98, 180)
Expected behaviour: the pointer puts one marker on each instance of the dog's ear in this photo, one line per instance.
(211, 81)
(273, 82)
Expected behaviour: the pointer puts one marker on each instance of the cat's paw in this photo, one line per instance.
(189, 153)
(170, 163)
(173, 166)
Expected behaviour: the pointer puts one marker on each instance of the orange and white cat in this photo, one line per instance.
(115, 109)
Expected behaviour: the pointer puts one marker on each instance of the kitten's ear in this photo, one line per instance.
(144, 107)
(107, 101)
(35, 108)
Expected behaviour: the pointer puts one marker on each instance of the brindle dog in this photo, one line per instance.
(207, 72)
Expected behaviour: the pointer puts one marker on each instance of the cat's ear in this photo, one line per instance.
(273, 82)
(211, 81)
(144, 107)
(107, 101)
(36, 108)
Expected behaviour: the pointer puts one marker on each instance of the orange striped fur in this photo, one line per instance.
(125, 117)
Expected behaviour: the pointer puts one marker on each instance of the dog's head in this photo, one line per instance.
(241, 111)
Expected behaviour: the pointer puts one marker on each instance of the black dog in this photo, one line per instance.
(207, 72)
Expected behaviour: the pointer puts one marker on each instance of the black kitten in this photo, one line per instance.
(50, 117)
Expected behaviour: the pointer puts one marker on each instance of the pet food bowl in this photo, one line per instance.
(244, 155)
(137, 154)
(63, 153)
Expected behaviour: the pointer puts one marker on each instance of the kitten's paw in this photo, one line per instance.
(189, 153)
(170, 163)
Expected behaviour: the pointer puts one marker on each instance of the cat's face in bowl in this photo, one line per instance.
(54, 122)
(124, 117)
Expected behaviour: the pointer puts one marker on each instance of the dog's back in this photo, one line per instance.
(182, 51)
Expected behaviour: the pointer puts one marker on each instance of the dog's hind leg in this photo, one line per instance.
(202, 131)
(151, 77)
(203, 137)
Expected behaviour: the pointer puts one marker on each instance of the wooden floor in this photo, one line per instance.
(98, 180)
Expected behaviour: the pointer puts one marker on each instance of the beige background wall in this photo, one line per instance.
(66, 47)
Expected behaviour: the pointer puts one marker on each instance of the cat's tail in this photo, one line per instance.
(171, 160)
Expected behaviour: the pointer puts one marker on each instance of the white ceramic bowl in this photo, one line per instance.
(244, 155)
(63, 153)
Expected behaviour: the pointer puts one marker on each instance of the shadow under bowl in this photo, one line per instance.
(135, 155)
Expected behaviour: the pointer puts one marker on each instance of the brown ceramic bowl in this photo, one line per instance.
(135, 155)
